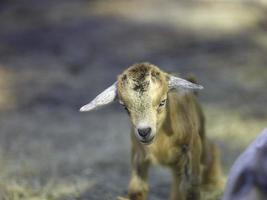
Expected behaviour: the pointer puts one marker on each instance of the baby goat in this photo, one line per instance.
(167, 128)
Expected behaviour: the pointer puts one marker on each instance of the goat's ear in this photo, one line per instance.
(176, 83)
(106, 97)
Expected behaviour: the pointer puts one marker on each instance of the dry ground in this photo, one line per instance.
(57, 55)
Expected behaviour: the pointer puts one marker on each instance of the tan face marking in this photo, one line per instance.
(143, 92)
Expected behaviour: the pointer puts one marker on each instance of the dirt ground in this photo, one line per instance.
(56, 56)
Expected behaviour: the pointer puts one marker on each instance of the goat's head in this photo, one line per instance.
(142, 89)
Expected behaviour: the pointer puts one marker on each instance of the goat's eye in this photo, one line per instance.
(125, 107)
(162, 103)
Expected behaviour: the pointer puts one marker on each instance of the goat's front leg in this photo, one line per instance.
(138, 186)
(182, 189)
(193, 192)
(186, 177)
(178, 191)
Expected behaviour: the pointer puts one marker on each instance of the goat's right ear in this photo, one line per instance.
(176, 82)
(106, 97)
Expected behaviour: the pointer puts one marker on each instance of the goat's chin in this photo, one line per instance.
(147, 141)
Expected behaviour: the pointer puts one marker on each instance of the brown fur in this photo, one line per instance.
(179, 143)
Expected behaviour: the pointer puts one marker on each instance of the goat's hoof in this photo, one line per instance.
(193, 196)
(122, 198)
(137, 196)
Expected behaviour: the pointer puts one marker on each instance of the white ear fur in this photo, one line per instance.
(175, 82)
(104, 98)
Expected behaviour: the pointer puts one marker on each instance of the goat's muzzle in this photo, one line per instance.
(144, 135)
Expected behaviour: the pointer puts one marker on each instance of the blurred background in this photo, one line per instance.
(56, 55)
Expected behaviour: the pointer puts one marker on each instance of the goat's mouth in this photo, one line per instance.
(147, 141)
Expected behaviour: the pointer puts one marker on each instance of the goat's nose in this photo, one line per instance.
(144, 132)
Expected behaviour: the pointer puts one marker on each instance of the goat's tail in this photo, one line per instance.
(192, 79)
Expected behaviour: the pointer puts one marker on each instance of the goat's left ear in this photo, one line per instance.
(104, 98)
(176, 82)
